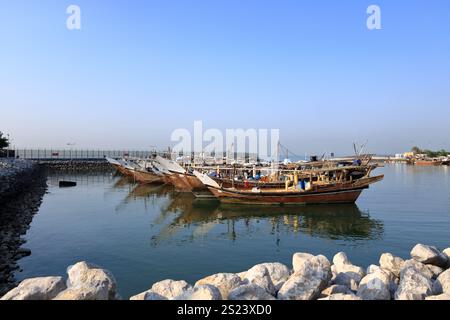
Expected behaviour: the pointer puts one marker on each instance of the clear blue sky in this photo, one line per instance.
(139, 69)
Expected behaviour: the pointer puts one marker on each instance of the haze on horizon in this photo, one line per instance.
(137, 71)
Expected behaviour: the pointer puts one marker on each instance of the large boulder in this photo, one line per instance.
(300, 258)
(308, 281)
(418, 266)
(429, 255)
(346, 273)
(225, 282)
(340, 259)
(170, 288)
(249, 292)
(316, 267)
(260, 276)
(300, 287)
(93, 281)
(391, 263)
(148, 295)
(278, 273)
(42, 288)
(413, 285)
(341, 296)
(202, 292)
(375, 286)
(442, 283)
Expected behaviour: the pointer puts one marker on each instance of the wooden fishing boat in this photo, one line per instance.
(427, 162)
(179, 177)
(329, 193)
(120, 165)
(353, 172)
(145, 177)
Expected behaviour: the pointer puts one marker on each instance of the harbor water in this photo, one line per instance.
(144, 234)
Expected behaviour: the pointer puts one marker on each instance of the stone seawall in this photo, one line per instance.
(16, 176)
(22, 186)
(76, 165)
(426, 276)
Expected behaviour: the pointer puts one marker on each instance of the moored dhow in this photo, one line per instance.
(319, 192)
(141, 171)
(183, 180)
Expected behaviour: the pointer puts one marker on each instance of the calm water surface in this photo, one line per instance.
(144, 234)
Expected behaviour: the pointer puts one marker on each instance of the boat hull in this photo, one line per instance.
(187, 182)
(180, 184)
(123, 170)
(146, 177)
(348, 196)
(333, 194)
(427, 163)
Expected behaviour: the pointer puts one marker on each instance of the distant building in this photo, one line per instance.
(409, 154)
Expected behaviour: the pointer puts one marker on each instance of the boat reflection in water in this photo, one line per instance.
(183, 216)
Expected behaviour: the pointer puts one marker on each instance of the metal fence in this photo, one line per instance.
(68, 154)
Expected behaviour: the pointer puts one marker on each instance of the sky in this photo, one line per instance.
(138, 70)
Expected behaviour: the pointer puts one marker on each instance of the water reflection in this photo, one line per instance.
(184, 216)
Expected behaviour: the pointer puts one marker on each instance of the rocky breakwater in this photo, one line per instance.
(74, 165)
(426, 276)
(22, 186)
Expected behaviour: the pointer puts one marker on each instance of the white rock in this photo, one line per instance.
(372, 268)
(148, 295)
(202, 292)
(340, 259)
(86, 277)
(341, 296)
(42, 288)
(278, 272)
(391, 263)
(170, 288)
(249, 292)
(375, 286)
(443, 296)
(300, 287)
(310, 279)
(299, 258)
(346, 273)
(225, 282)
(316, 267)
(429, 255)
(442, 283)
(413, 286)
(418, 266)
(259, 275)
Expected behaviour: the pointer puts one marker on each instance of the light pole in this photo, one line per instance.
(71, 144)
